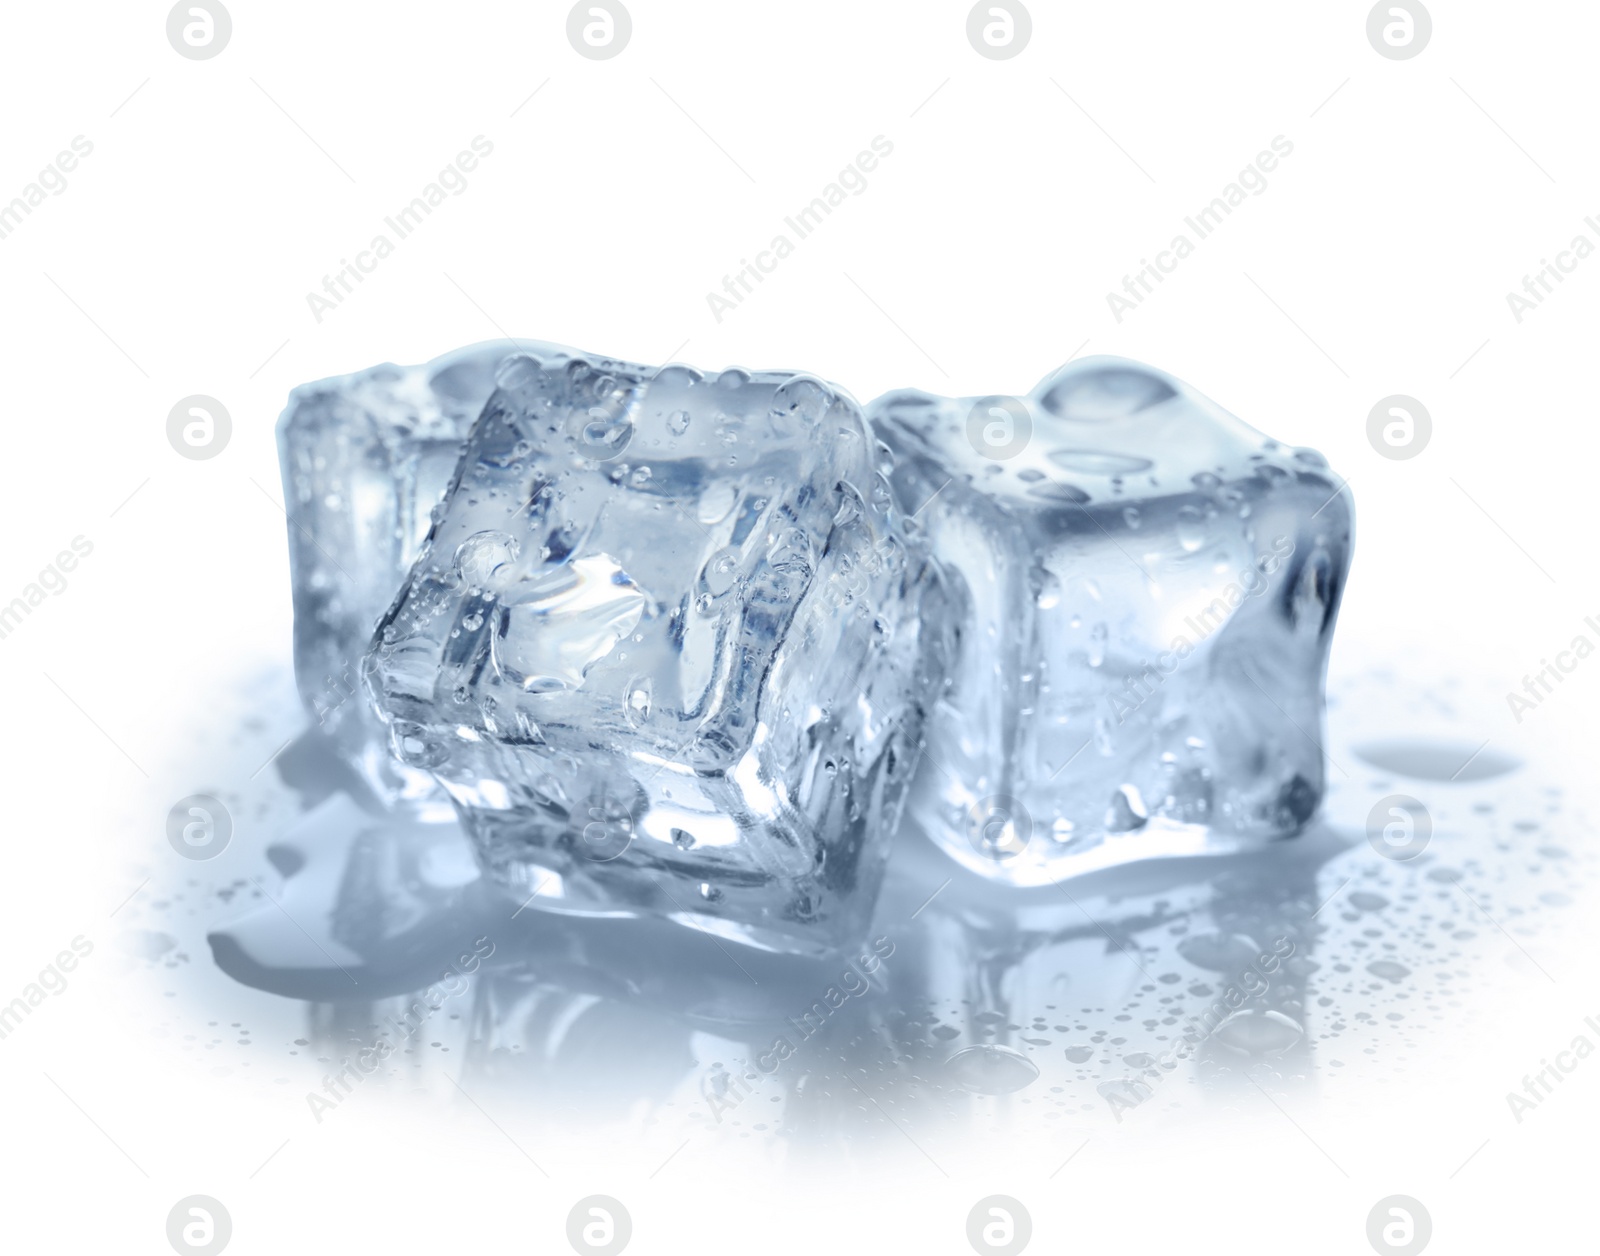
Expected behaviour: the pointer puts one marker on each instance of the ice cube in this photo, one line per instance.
(666, 649)
(365, 457)
(1148, 589)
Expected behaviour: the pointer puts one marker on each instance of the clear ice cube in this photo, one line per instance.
(1146, 593)
(365, 457)
(666, 649)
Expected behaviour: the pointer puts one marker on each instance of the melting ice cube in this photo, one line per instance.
(1147, 590)
(665, 648)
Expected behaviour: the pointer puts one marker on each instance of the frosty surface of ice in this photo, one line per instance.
(1146, 593)
(365, 457)
(666, 649)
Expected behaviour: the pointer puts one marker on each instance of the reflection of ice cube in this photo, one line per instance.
(1149, 589)
(365, 458)
(664, 647)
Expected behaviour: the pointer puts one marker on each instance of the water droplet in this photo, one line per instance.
(484, 559)
(991, 1069)
(1053, 491)
(606, 432)
(1254, 1031)
(1097, 395)
(1388, 969)
(1080, 1054)
(678, 422)
(721, 572)
(1218, 952)
(802, 398)
(682, 839)
(1191, 528)
(1097, 462)
(677, 376)
(636, 703)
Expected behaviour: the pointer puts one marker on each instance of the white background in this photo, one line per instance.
(1019, 193)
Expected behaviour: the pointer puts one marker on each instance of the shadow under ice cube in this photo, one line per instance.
(665, 649)
(1146, 594)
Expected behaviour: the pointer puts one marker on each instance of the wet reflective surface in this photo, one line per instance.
(972, 1006)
